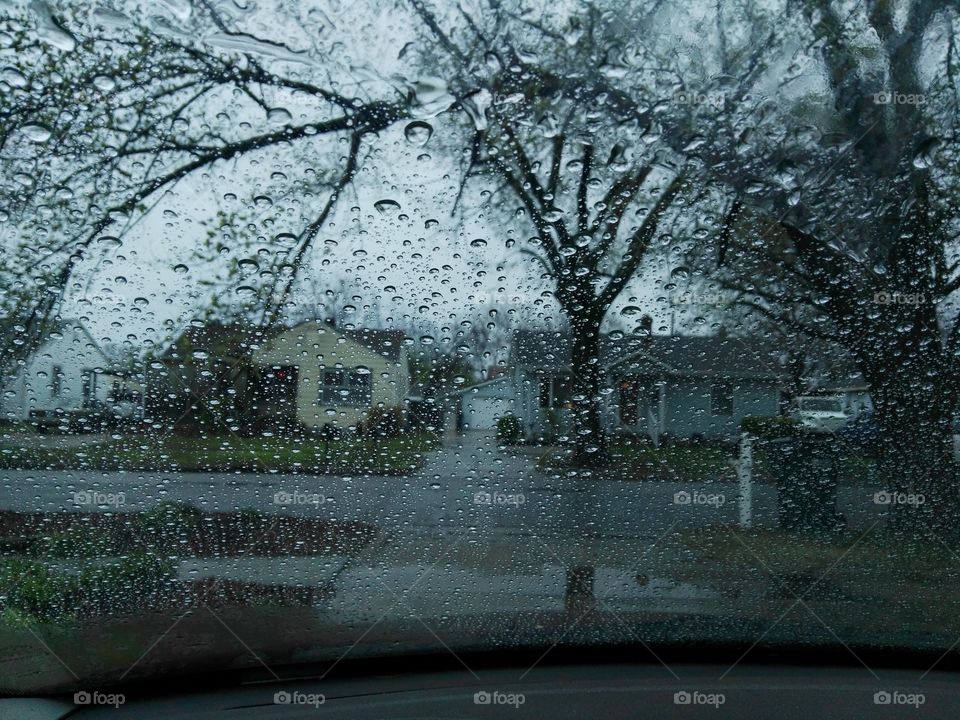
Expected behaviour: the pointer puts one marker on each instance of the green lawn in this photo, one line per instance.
(637, 461)
(381, 456)
(644, 462)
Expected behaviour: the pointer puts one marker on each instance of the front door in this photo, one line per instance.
(277, 395)
(640, 405)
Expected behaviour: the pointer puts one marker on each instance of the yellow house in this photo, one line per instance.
(318, 374)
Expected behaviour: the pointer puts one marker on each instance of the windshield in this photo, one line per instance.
(347, 329)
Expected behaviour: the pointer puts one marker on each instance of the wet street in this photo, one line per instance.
(470, 485)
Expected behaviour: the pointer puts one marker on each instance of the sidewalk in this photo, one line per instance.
(403, 576)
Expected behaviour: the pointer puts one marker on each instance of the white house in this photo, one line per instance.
(317, 374)
(67, 373)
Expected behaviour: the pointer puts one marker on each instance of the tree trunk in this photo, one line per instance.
(590, 441)
(911, 386)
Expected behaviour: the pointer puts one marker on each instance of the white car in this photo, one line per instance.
(818, 413)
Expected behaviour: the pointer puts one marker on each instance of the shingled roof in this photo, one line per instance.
(235, 340)
(383, 342)
(670, 354)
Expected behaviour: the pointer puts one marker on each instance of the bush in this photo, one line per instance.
(168, 524)
(31, 590)
(769, 428)
(380, 422)
(508, 429)
(75, 543)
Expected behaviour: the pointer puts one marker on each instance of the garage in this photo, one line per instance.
(481, 413)
(485, 403)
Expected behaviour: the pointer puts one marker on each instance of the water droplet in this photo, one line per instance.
(110, 18)
(431, 97)
(181, 269)
(13, 77)
(386, 206)
(181, 8)
(49, 30)
(418, 132)
(246, 291)
(478, 243)
(104, 83)
(279, 116)
(36, 133)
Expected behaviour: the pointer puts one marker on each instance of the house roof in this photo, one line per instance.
(221, 340)
(62, 326)
(235, 340)
(388, 343)
(503, 379)
(670, 354)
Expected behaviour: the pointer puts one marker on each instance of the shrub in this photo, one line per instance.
(30, 589)
(168, 524)
(75, 543)
(508, 429)
(385, 422)
(768, 428)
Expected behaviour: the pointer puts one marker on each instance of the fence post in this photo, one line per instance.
(745, 480)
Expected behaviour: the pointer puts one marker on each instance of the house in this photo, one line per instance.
(201, 379)
(481, 405)
(855, 399)
(682, 385)
(692, 386)
(67, 375)
(318, 375)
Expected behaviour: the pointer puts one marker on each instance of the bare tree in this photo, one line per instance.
(558, 131)
(103, 115)
(837, 155)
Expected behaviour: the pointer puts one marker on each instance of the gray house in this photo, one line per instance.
(681, 385)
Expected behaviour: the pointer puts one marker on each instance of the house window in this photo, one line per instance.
(555, 392)
(56, 386)
(721, 398)
(346, 387)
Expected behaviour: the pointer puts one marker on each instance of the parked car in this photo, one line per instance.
(818, 413)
